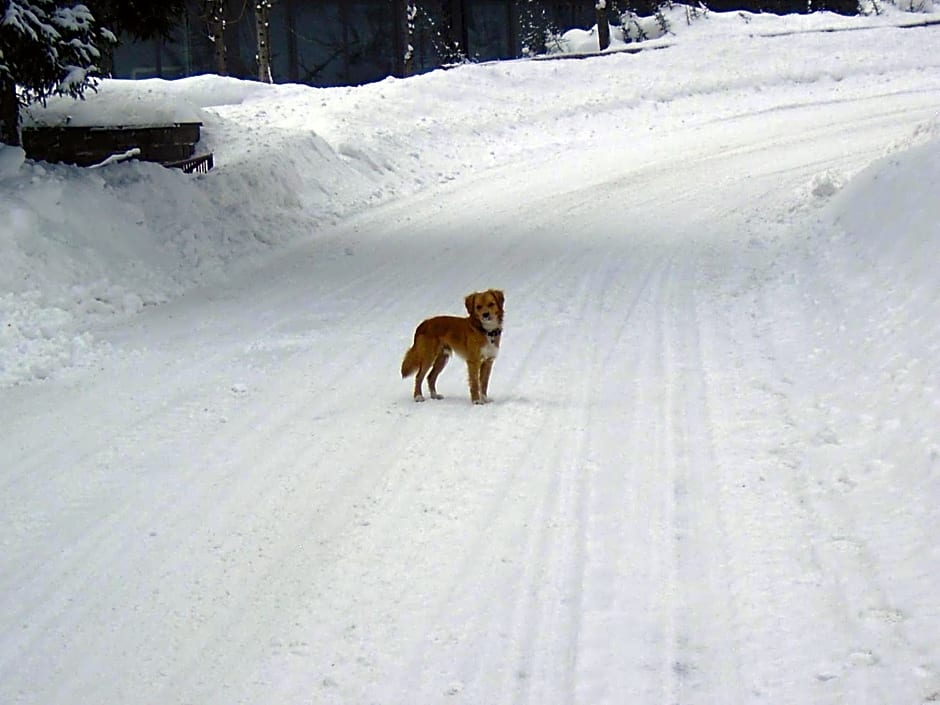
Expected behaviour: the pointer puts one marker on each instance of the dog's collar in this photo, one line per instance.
(493, 335)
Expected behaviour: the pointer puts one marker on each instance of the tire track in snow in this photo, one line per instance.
(101, 443)
(612, 569)
(663, 590)
(868, 650)
(559, 620)
(657, 624)
(704, 667)
(254, 460)
(819, 624)
(630, 638)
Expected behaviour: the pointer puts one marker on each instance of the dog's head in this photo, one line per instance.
(486, 307)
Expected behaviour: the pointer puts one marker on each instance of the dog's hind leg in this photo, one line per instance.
(440, 362)
(419, 380)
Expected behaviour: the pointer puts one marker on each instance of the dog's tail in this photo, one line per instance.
(411, 363)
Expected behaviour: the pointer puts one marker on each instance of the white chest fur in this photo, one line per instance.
(489, 351)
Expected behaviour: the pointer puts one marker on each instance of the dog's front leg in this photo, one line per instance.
(473, 374)
(485, 369)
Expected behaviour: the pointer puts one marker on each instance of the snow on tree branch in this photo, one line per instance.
(47, 47)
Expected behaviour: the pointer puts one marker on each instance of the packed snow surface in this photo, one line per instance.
(710, 470)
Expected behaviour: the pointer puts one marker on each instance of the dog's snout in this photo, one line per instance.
(486, 315)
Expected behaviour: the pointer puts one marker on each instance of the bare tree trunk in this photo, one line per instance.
(603, 26)
(458, 38)
(263, 33)
(293, 70)
(411, 13)
(9, 114)
(214, 11)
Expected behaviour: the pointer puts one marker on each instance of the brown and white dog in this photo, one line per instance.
(474, 338)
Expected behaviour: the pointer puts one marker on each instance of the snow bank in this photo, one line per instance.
(861, 358)
(878, 316)
(84, 246)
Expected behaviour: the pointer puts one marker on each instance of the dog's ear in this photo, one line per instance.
(469, 301)
(499, 296)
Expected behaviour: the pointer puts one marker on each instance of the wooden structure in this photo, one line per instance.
(172, 145)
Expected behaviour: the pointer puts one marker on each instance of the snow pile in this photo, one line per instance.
(133, 103)
(83, 245)
(869, 283)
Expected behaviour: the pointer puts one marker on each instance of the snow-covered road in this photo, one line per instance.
(677, 495)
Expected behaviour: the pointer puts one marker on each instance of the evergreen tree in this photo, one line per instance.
(47, 47)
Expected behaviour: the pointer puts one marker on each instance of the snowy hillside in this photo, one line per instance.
(710, 472)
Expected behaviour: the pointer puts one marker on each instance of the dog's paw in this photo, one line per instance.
(435, 395)
(481, 400)
(419, 397)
